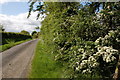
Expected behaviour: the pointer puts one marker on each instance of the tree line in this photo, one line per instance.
(34, 33)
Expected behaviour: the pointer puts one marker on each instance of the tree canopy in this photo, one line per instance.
(2, 28)
(25, 32)
(34, 32)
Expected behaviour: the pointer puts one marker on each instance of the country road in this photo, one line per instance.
(16, 60)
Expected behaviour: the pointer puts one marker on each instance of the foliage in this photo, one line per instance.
(103, 57)
(37, 28)
(35, 35)
(86, 40)
(44, 60)
(25, 32)
(8, 36)
(2, 28)
(11, 44)
(34, 32)
(9, 41)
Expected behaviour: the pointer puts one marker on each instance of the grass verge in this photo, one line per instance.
(44, 65)
(7, 46)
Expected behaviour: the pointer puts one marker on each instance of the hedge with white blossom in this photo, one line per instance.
(103, 52)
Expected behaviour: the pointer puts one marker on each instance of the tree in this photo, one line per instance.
(2, 28)
(37, 28)
(25, 32)
(34, 32)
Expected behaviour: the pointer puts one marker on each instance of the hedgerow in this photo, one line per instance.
(8, 36)
(86, 41)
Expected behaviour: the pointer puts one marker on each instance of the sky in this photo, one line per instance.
(13, 16)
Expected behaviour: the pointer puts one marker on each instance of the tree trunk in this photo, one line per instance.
(116, 75)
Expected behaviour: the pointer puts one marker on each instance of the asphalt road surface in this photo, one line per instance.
(16, 60)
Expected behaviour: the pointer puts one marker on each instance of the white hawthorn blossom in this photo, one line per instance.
(86, 71)
(103, 51)
(107, 53)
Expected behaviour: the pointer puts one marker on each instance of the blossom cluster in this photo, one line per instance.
(109, 38)
(87, 65)
(91, 62)
(87, 62)
(103, 49)
(107, 53)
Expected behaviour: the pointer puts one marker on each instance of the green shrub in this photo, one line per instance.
(10, 41)
(14, 37)
(73, 29)
(11, 44)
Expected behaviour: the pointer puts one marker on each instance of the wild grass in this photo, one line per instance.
(10, 44)
(10, 41)
(44, 65)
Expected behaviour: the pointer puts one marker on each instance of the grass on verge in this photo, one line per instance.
(11, 44)
(44, 65)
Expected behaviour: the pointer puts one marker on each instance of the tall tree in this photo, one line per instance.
(25, 32)
(2, 28)
(34, 32)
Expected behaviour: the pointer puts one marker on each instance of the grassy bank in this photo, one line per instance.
(11, 44)
(44, 65)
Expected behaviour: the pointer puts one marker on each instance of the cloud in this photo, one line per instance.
(20, 22)
(5, 1)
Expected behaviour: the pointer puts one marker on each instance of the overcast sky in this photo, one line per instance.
(13, 16)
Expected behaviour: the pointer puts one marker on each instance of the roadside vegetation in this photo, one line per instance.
(35, 34)
(44, 65)
(11, 44)
(85, 38)
(8, 37)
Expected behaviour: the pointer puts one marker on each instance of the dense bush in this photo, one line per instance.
(10, 36)
(85, 40)
(102, 58)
